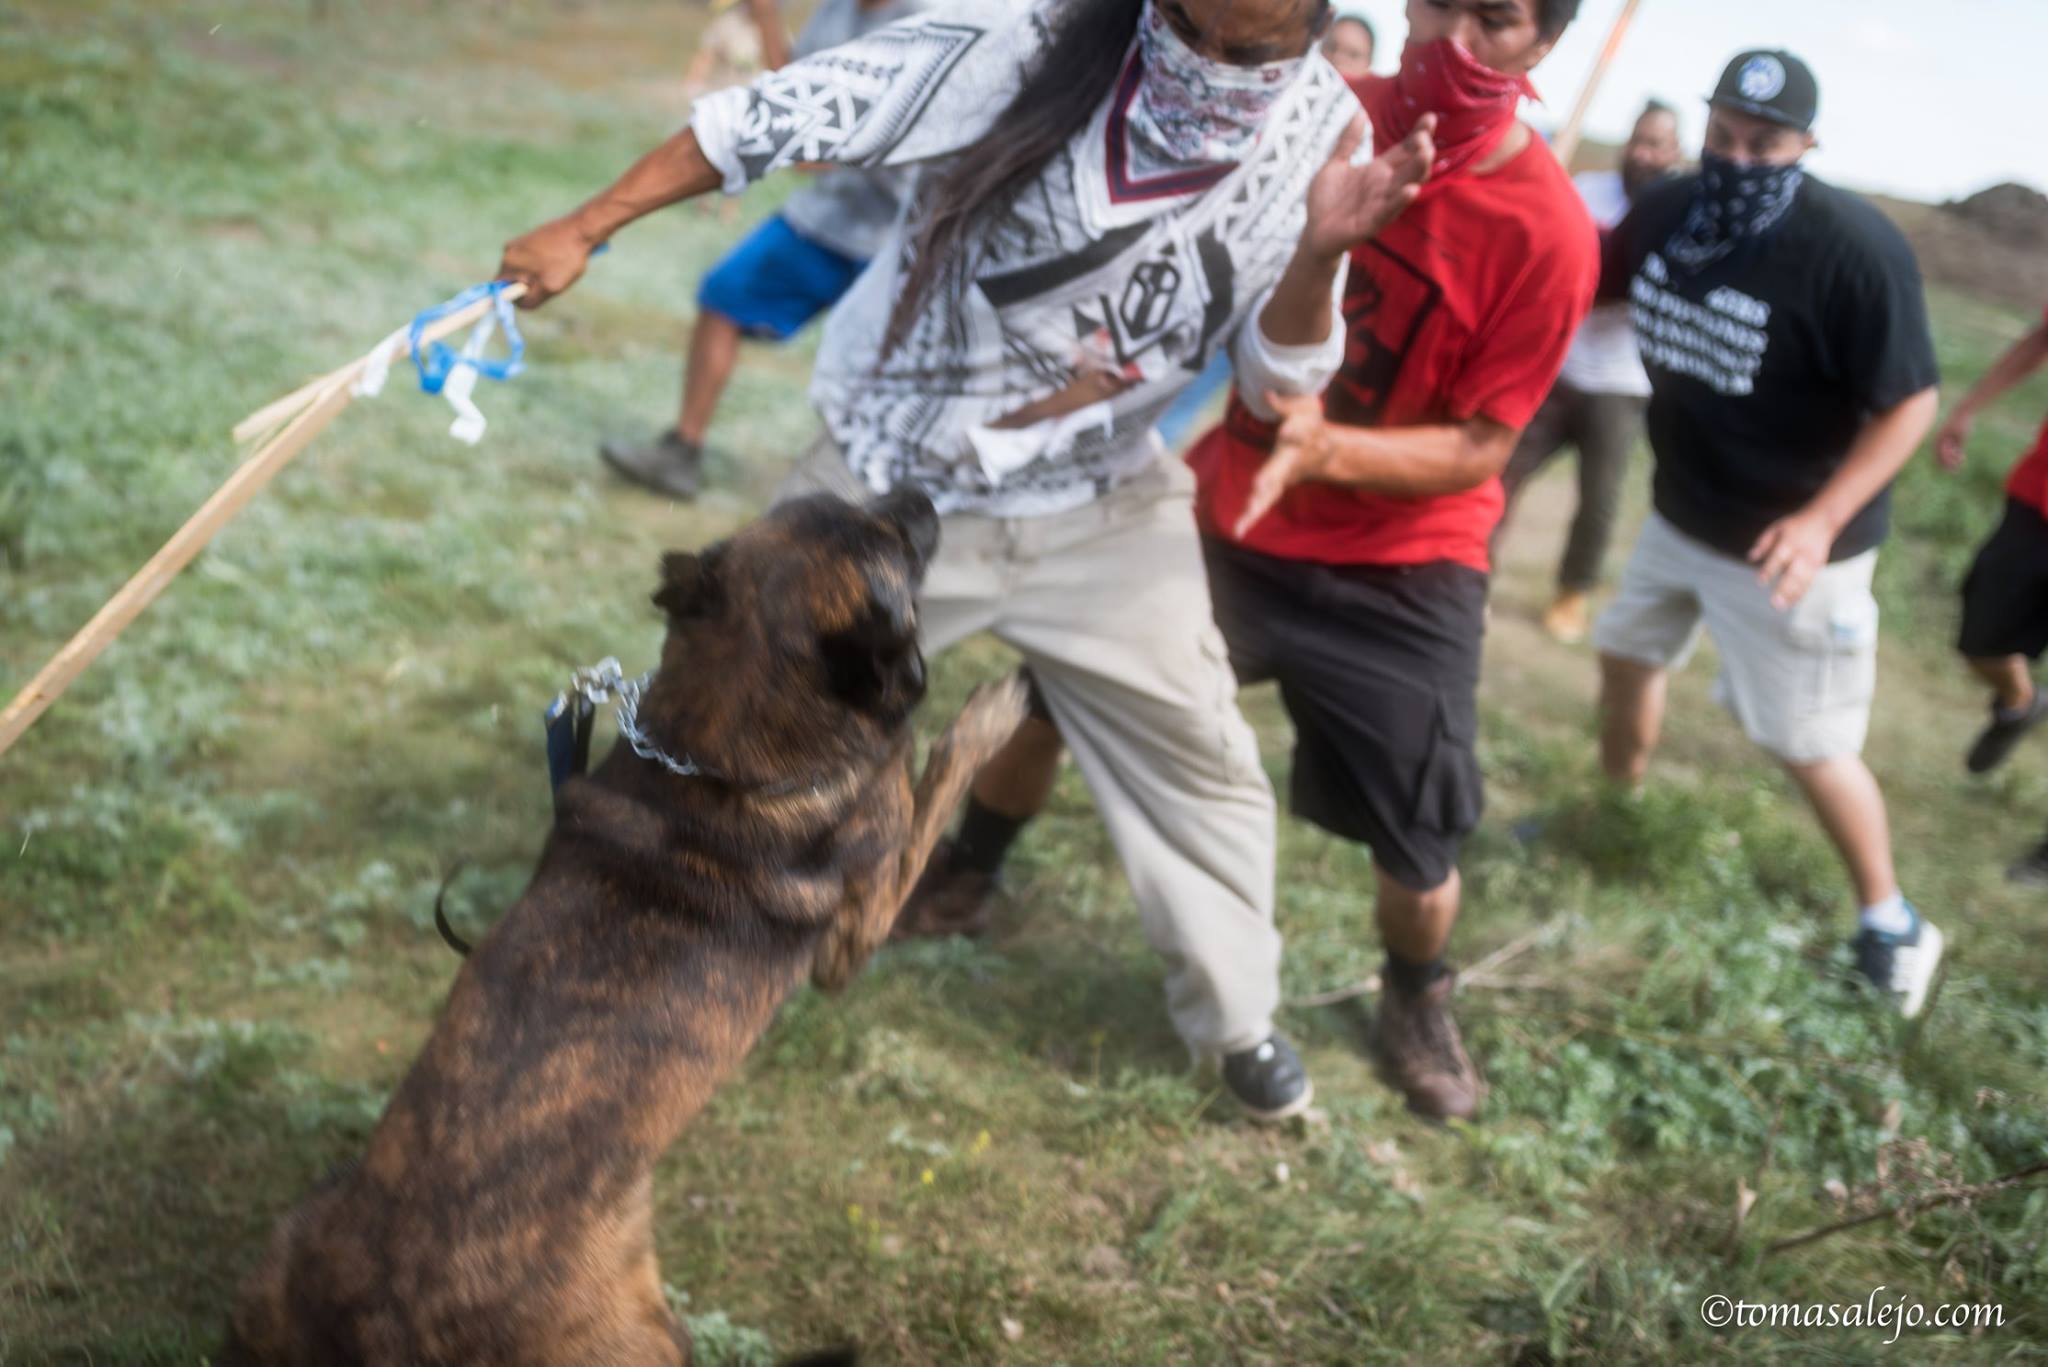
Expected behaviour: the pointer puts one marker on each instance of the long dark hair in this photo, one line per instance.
(1074, 72)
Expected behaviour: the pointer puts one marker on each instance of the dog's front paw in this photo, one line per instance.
(992, 715)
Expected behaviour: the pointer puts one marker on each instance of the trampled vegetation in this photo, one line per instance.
(218, 854)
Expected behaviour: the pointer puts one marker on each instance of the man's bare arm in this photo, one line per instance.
(1404, 462)
(2025, 356)
(1347, 205)
(1794, 549)
(1416, 462)
(551, 258)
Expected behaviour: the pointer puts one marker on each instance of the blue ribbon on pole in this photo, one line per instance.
(436, 361)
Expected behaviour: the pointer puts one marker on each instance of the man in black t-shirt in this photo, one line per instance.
(1784, 329)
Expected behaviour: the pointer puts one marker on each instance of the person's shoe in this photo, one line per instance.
(2031, 869)
(668, 464)
(1568, 618)
(1417, 1045)
(1997, 740)
(1901, 964)
(949, 899)
(1268, 1080)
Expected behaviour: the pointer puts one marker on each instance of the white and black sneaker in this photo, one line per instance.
(1268, 1080)
(1901, 963)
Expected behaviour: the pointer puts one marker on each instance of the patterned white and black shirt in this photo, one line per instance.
(1112, 258)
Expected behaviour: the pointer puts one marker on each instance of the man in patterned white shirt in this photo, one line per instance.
(1106, 192)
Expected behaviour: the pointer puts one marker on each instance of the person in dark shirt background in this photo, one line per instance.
(1598, 402)
(1784, 329)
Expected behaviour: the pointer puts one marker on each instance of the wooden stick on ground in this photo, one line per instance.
(1479, 975)
(1945, 1198)
(1566, 143)
(316, 406)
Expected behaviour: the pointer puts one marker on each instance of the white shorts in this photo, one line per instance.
(1800, 682)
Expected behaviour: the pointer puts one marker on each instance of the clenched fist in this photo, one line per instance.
(547, 260)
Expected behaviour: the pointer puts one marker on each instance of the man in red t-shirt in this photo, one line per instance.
(2005, 597)
(1348, 549)
(1355, 573)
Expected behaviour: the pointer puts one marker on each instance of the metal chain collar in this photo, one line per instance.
(606, 679)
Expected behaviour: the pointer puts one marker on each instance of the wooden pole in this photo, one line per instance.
(1566, 144)
(276, 411)
(316, 406)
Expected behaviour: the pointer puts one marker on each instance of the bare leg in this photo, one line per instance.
(2010, 679)
(1846, 798)
(714, 351)
(1631, 716)
(1415, 1036)
(1416, 925)
(1017, 783)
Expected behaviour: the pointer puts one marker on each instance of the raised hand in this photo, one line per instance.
(1349, 204)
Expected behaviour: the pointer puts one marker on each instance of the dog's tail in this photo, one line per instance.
(455, 942)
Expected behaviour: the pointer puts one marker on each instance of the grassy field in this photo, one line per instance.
(217, 855)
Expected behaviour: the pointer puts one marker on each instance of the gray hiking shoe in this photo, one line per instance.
(668, 464)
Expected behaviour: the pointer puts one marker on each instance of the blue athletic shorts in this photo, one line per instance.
(776, 280)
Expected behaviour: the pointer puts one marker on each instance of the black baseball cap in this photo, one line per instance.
(1770, 84)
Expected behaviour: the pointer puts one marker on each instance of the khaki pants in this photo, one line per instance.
(1800, 682)
(1110, 607)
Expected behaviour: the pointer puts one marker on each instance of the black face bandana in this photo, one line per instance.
(1732, 205)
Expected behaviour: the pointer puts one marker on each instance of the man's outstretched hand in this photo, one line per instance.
(1349, 204)
(547, 260)
(1300, 452)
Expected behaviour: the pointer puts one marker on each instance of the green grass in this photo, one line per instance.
(218, 852)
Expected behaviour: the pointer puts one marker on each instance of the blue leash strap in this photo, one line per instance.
(568, 722)
(436, 361)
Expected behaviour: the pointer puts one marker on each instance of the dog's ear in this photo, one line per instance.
(894, 601)
(688, 583)
(874, 664)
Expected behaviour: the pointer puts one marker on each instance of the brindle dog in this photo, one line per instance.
(503, 1211)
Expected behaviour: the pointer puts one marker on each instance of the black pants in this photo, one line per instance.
(2005, 597)
(1604, 428)
(1378, 667)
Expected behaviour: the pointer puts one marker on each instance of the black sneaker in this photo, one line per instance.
(668, 464)
(1268, 1080)
(950, 899)
(2031, 870)
(1901, 965)
(1998, 739)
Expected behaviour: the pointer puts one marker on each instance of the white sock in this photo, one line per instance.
(1890, 917)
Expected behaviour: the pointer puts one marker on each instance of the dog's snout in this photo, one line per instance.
(914, 515)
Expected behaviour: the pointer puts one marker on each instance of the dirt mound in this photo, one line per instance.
(2016, 213)
(1993, 245)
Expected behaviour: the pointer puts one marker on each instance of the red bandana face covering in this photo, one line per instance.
(1474, 104)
